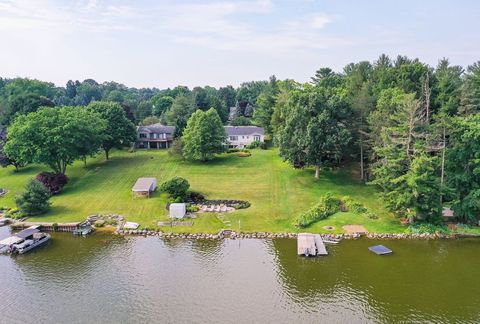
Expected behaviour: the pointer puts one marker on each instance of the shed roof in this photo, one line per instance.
(144, 184)
(243, 130)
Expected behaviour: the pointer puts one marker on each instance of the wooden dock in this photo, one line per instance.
(310, 245)
(52, 227)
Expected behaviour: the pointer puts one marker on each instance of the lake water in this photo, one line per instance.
(111, 279)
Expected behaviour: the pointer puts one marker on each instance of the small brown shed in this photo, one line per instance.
(144, 187)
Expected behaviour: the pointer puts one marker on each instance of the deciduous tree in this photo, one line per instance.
(204, 136)
(315, 133)
(119, 131)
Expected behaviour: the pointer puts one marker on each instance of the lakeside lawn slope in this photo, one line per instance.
(277, 192)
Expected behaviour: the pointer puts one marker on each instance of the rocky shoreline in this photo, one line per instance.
(264, 235)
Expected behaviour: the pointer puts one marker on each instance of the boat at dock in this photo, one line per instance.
(24, 241)
(83, 230)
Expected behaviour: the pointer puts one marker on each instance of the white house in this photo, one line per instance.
(242, 136)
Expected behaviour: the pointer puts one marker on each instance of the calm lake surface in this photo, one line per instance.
(111, 279)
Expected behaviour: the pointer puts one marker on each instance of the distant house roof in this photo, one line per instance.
(145, 185)
(243, 130)
(157, 128)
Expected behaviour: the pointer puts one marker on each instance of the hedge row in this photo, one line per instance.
(327, 206)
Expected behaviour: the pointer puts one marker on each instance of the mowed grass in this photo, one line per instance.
(277, 192)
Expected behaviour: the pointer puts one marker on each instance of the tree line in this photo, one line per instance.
(413, 129)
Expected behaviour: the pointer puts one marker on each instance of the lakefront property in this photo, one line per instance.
(250, 161)
(158, 136)
(243, 136)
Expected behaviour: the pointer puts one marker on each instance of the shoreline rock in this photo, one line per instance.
(265, 235)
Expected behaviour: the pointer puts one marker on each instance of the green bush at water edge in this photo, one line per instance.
(327, 206)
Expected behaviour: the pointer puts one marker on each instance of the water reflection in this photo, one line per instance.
(112, 279)
(418, 282)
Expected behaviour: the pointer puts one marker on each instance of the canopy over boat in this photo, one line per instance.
(26, 233)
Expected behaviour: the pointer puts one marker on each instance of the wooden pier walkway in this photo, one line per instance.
(310, 245)
(57, 227)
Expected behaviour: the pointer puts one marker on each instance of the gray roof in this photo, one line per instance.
(157, 128)
(243, 130)
(145, 184)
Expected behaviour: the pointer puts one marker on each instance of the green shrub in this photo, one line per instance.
(13, 213)
(254, 145)
(176, 148)
(176, 187)
(372, 215)
(241, 205)
(327, 206)
(353, 206)
(177, 200)
(427, 228)
(263, 146)
(233, 150)
(34, 200)
(192, 208)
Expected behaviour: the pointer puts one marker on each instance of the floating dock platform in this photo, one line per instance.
(380, 250)
(310, 245)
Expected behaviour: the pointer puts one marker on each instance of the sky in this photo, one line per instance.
(165, 43)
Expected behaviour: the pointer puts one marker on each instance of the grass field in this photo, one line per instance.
(276, 191)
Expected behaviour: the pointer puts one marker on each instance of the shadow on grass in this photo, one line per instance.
(218, 160)
(53, 213)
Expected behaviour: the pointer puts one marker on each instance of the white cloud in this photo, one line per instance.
(59, 17)
(219, 25)
(319, 20)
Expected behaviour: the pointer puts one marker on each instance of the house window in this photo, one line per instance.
(143, 135)
(256, 138)
(234, 138)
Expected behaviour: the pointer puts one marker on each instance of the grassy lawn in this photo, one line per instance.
(276, 191)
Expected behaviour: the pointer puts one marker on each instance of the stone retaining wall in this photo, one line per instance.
(264, 235)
